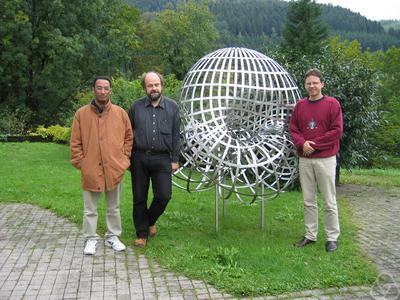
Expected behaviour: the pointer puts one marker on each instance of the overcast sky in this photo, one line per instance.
(372, 9)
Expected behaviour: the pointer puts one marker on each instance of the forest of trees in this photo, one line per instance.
(256, 23)
(50, 51)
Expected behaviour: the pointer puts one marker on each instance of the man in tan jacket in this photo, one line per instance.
(101, 143)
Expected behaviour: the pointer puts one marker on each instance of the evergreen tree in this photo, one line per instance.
(304, 32)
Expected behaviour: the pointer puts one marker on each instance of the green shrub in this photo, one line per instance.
(386, 161)
(386, 138)
(57, 133)
(125, 92)
(172, 87)
(14, 121)
(83, 97)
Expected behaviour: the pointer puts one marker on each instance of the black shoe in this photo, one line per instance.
(331, 246)
(304, 242)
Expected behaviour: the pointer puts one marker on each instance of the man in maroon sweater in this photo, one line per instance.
(316, 127)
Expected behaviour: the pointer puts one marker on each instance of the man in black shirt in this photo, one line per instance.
(155, 155)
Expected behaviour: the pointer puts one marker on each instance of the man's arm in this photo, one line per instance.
(295, 131)
(175, 140)
(129, 138)
(131, 114)
(75, 145)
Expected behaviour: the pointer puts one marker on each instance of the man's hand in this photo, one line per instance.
(174, 166)
(307, 148)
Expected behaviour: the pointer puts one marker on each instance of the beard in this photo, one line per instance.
(154, 96)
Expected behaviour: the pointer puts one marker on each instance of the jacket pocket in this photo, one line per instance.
(89, 174)
(118, 168)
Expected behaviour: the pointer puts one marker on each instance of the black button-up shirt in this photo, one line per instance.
(156, 128)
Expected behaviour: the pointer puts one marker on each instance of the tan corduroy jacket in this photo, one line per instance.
(101, 146)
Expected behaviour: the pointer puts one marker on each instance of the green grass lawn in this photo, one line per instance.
(239, 259)
(372, 177)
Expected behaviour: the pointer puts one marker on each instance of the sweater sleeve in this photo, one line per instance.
(335, 131)
(297, 137)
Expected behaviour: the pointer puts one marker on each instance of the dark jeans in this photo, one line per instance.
(157, 167)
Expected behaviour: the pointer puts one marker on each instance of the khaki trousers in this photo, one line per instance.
(319, 172)
(90, 214)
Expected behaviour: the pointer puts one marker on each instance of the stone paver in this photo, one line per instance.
(41, 258)
(377, 211)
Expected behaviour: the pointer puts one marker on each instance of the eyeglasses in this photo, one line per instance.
(101, 88)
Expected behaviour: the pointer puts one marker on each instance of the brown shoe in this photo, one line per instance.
(140, 242)
(303, 242)
(152, 230)
(331, 246)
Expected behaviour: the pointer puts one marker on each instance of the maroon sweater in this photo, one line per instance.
(319, 121)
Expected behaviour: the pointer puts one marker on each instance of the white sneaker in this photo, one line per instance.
(114, 243)
(90, 247)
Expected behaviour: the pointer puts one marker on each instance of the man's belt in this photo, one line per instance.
(151, 152)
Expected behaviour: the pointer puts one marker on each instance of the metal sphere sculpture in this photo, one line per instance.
(235, 104)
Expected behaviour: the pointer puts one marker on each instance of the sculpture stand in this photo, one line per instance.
(262, 208)
(219, 192)
(216, 206)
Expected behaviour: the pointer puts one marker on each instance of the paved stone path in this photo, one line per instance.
(41, 258)
(378, 216)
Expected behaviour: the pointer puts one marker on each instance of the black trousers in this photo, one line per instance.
(146, 167)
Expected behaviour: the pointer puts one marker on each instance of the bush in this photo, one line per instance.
(57, 133)
(14, 121)
(386, 138)
(172, 87)
(125, 92)
(386, 162)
